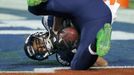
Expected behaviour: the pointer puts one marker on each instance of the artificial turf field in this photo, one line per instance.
(12, 36)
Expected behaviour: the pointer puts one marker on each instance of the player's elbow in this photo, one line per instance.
(34, 10)
(40, 9)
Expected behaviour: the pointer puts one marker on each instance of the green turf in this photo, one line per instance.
(16, 57)
(131, 4)
(16, 60)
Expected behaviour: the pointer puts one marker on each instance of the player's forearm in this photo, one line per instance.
(35, 2)
(37, 7)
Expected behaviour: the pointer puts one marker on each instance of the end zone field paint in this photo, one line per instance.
(109, 70)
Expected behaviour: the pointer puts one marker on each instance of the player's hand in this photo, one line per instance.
(35, 2)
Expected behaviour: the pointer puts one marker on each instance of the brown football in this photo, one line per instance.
(69, 34)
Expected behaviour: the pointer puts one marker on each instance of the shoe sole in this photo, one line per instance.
(104, 40)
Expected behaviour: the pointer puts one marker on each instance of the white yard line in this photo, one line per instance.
(19, 32)
(49, 70)
(113, 67)
(34, 24)
(26, 24)
(122, 35)
(58, 68)
(53, 69)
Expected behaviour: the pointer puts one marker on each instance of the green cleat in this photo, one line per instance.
(104, 40)
(35, 2)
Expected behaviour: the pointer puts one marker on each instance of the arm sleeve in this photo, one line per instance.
(40, 9)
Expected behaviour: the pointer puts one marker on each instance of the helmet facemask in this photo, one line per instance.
(38, 46)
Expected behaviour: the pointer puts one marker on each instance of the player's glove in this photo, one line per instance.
(35, 2)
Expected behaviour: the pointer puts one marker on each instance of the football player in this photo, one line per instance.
(91, 18)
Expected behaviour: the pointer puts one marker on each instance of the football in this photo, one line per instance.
(69, 34)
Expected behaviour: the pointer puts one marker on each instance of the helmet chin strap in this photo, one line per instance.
(49, 44)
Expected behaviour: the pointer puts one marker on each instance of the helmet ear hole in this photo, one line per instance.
(36, 46)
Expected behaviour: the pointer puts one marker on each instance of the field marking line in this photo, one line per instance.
(53, 69)
(19, 32)
(113, 67)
